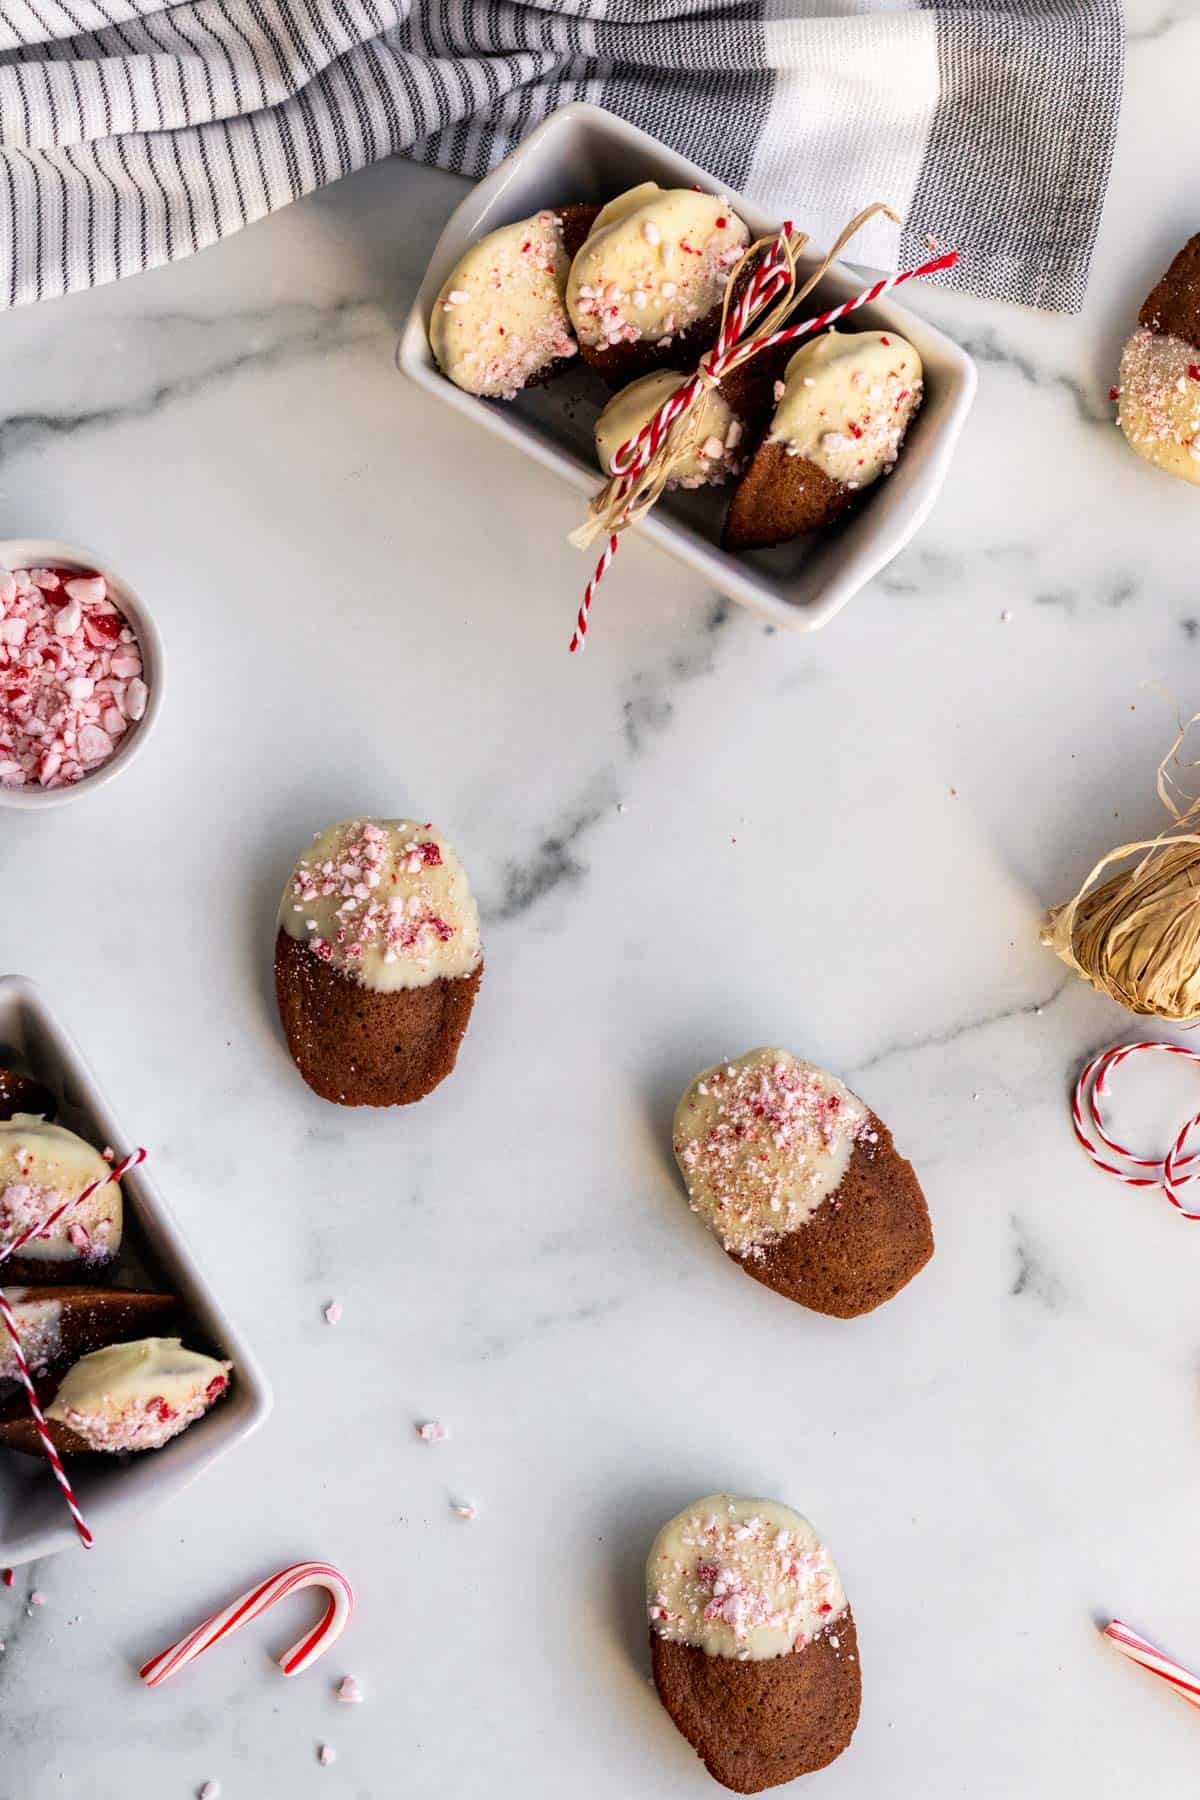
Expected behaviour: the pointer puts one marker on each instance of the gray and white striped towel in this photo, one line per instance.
(132, 132)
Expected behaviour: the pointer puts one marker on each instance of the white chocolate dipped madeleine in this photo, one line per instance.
(655, 263)
(715, 452)
(1159, 391)
(741, 1578)
(378, 961)
(386, 901)
(842, 410)
(499, 322)
(41, 1165)
(137, 1396)
(848, 399)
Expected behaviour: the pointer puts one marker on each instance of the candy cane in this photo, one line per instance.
(249, 1605)
(1141, 1651)
(1169, 1172)
(41, 1229)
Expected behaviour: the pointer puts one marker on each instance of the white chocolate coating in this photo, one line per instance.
(847, 402)
(1160, 402)
(499, 320)
(386, 901)
(41, 1165)
(655, 261)
(718, 435)
(761, 1143)
(138, 1396)
(741, 1578)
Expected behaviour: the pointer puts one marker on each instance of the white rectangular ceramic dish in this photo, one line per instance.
(584, 153)
(33, 1519)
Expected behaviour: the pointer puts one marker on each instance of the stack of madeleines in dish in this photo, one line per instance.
(104, 1386)
(635, 289)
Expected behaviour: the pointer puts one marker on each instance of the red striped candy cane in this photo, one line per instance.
(10, 1324)
(249, 1605)
(1141, 1651)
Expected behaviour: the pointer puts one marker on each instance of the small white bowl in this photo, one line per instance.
(47, 553)
(583, 152)
(34, 1521)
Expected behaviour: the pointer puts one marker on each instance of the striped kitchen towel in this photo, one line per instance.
(133, 132)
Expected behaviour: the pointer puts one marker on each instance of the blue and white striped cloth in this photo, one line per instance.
(132, 132)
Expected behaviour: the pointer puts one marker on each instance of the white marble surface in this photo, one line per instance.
(842, 843)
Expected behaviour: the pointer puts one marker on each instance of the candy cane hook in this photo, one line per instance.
(249, 1605)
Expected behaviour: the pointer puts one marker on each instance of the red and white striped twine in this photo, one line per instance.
(39, 1420)
(763, 288)
(1170, 1172)
(10, 1324)
(1141, 1651)
(250, 1605)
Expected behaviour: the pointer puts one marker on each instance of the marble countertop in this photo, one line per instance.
(703, 837)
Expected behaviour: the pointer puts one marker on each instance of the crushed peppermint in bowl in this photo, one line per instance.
(81, 673)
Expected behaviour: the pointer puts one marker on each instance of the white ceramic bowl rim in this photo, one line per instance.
(42, 553)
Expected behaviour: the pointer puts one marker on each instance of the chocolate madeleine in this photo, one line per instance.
(377, 962)
(1159, 394)
(41, 1165)
(753, 1645)
(647, 284)
(128, 1397)
(801, 1183)
(842, 411)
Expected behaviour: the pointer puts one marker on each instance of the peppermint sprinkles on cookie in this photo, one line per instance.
(801, 1183)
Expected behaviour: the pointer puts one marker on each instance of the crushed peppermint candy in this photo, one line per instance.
(432, 1431)
(1159, 397)
(209, 1790)
(332, 1313)
(326, 1754)
(348, 1691)
(7, 1577)
(25, 1203)
(762, 1142)
(462, 1509)
(501, 322)
(742, 1578)
(369, 916)
(640, 278)
(71, 678)
(141, 1422)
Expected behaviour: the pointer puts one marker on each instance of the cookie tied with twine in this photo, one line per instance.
(762, 291)
(1136, 936)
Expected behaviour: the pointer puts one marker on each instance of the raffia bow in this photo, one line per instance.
(1136, 937)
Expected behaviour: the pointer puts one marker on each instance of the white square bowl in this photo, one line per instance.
(34, 1522)
(584, 153)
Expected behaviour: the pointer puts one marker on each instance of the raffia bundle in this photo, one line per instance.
(1136, 936)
